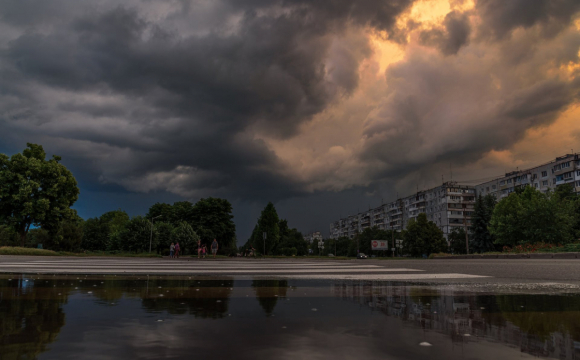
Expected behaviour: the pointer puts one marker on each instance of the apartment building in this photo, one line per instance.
(563, 170)
(448, 206)
(315, 236)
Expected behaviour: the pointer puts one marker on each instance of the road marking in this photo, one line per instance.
(205, 271)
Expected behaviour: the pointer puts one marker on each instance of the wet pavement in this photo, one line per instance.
(68, 316)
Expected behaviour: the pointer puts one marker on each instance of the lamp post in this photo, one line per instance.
(151, 237)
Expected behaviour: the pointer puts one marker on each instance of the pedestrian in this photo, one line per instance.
(203, 251)
(198, 248)
(214, 247)
(177, 249)
(171, 250)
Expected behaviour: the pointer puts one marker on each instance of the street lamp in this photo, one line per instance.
(151, 237)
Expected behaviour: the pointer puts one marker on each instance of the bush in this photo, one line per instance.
(8, 250)
(8, 236)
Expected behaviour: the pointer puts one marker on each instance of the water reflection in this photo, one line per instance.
(173, 317)
(540, 325)
(268, 292)
(31, 316)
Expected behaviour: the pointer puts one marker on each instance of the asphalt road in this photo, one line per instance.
(480, 271)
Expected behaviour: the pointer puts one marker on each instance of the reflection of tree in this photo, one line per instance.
(268, 291)
(424, 296)
(31, 315)
(542, 315)
(206, 299)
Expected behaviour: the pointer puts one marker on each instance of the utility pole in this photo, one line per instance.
(465, 227)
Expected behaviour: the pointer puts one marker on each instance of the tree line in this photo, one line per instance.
(36, 196)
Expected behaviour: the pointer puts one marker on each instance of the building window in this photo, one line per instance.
(487, 188)
(568, 175)
(565, 165)
(545, 183)
(536, 185)
(493, 187)
(578, 173)
(577, 183)
(544, 173)
(502, 182)
(509, 181)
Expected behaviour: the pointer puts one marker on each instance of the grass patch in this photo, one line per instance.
(15, 250)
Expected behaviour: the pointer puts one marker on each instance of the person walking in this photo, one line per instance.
(214, 248)
(177, 249)
(198, 248)
(171, 250)
(203, 252)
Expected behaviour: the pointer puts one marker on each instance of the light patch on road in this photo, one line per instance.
(393, 277)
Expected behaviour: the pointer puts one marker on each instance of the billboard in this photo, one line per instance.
(380, 245)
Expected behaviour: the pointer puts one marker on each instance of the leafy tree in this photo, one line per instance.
(482, 240)
(533, 217)
(162, 211)
(291, 241)
(365, 238)
(134, 236)
(8, 236)
(164, 236)
(270, 224)
(98, 231)
(186, 237)
(38, 236)
(212, 218)
(457, 241)
(68, 237)
(423, 237)
(35, 191)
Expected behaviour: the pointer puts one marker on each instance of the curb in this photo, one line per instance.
(570, 255)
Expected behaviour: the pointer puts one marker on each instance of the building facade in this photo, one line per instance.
(448, 206)
(451, 205)
(313, 237)
(563, 170)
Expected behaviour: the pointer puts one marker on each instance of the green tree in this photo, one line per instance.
(457, 241)
(8, 236)
(164, 236)
(68, 236)
(187, 238)
(365, 238)
(532, 217)
(482, 240)
(35, 191)
(212, 218)
(135, 236)
(423, 237)
(97, 232)
(268, 223)
(291, 241)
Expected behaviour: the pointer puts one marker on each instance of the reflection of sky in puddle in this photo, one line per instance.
(55, 317)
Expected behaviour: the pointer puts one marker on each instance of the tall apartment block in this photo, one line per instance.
(564, 170)
(313, 236)
(449, 205)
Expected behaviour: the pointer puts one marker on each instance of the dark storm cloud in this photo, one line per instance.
(501, 17)
(160, 97)
(453, 35)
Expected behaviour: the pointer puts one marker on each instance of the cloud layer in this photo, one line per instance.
(261, 100)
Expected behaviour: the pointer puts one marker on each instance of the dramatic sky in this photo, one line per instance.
(322, 107)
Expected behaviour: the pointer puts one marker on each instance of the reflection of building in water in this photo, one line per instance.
(494, 318)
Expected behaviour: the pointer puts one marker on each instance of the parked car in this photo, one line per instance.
(361, 256)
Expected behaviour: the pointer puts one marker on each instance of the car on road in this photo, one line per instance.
(361, 256)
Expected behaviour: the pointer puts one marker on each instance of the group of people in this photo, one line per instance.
(174, 249)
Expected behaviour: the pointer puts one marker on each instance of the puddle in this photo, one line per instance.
(116, 317)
